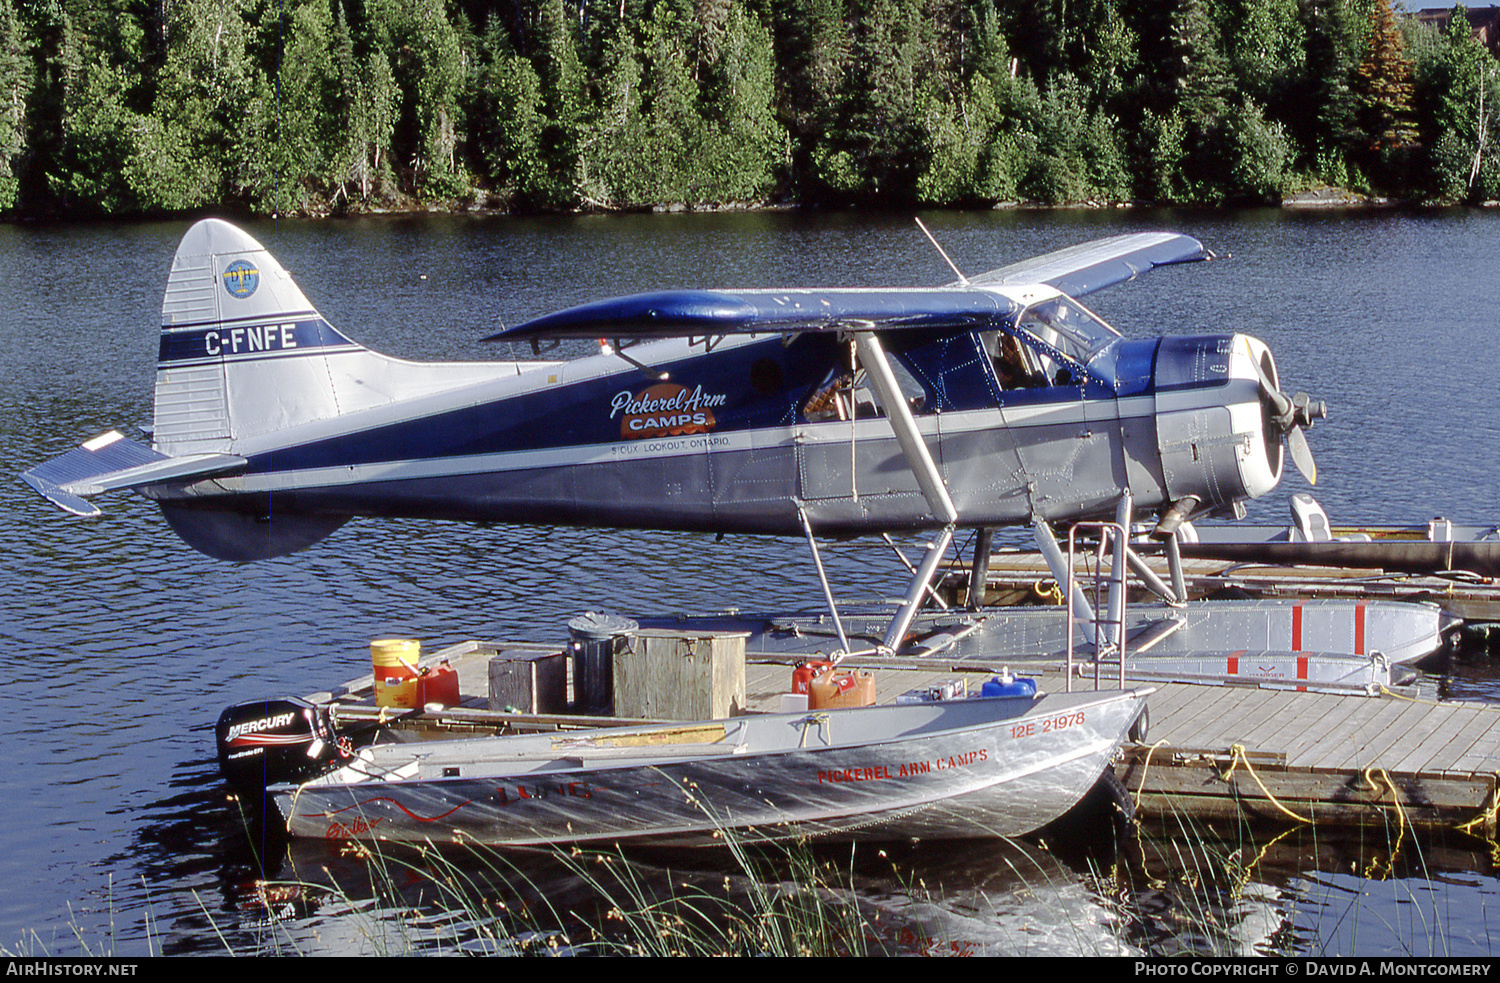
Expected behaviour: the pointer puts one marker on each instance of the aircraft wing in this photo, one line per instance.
(693, 313)
(1076, 270)
(112, 461)
(1092, 266)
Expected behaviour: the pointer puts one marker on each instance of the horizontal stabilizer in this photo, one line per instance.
(1092, 266)
(112, 461)
(701, 313)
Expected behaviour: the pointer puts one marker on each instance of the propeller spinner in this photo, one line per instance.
(1289, 417)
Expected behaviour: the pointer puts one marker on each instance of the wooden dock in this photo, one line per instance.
(1212, 752)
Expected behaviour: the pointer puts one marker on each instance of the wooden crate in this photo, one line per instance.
(667, 675)
(529, 679)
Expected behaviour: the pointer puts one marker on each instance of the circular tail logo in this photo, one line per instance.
(241, 278)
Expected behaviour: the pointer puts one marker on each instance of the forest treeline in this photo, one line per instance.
(125, 107)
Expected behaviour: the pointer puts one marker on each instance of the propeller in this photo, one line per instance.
(1291, 416)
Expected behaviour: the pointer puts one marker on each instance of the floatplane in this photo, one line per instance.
(994, 400)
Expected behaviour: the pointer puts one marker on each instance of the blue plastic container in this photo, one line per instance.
(1008, 686)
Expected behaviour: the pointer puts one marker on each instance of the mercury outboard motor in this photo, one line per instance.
(265, 742)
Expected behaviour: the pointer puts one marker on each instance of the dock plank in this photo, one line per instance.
(1359, 730)
(1198, 721)
(1456, 755)
(1471, 751)
(1294, 712)
(1425, 757)
(1342, 735)
(1261, 712)
(1372, 747)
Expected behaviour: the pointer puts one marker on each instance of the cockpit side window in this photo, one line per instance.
(1017, 365)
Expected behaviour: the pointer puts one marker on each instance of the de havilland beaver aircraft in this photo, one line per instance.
(995, 400)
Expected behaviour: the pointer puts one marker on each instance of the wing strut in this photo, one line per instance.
(888, 391)
(929, 479)
(833, 607)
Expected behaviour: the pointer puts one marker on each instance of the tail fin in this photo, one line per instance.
(242, 350)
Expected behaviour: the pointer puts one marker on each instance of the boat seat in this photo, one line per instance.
(1310, 519)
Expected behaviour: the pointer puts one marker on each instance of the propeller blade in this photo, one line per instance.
(1291, 415)
(1279, 402)
(1296, 443)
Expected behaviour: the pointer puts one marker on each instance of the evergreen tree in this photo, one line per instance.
(1385, 84)
(122, 106)
(288, 162)
(613, 167)
(1220, 145)
(1322, 110)
(675, 132)
(747, 149)
(813, 51)
(564, 98)
(1264, 40)
(208, 129)
(437, 81)
(509, 119)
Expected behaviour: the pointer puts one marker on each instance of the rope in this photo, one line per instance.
(1487, 816)
(1146, 768)
(1248, 870)
(1409, 699)
(1371, 870)
(820, 719)
(1238, 750)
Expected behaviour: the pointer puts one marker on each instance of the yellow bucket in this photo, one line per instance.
(395, 662)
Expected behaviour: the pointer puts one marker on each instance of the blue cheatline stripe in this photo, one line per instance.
(262, 338)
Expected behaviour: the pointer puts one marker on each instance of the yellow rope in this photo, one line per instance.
(1136, 799)
(1409, 699)
(1487, 815)
(1238, 750)
(820, 719)
(1053, 593)
(1249, 869)
(1400, 814)
(1146, 768)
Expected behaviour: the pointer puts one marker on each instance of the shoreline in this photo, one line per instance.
(1314, 199)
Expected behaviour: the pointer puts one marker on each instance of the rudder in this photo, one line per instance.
(242, 350)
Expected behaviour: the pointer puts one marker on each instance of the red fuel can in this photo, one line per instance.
(438, 684)
(803, 674)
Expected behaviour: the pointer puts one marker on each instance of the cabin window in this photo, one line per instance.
(843, 395)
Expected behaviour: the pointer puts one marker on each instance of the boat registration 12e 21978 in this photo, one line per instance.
(1048, 725)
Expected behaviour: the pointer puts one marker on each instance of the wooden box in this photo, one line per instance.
(667, 675)
(529, 679)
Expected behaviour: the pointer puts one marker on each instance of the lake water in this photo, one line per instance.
(124, 644)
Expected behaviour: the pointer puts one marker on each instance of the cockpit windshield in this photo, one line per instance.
(1067, 326)
(1026, 356)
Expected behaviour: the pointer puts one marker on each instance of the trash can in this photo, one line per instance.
(593, 640)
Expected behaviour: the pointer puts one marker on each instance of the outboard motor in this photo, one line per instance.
(265, 742)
